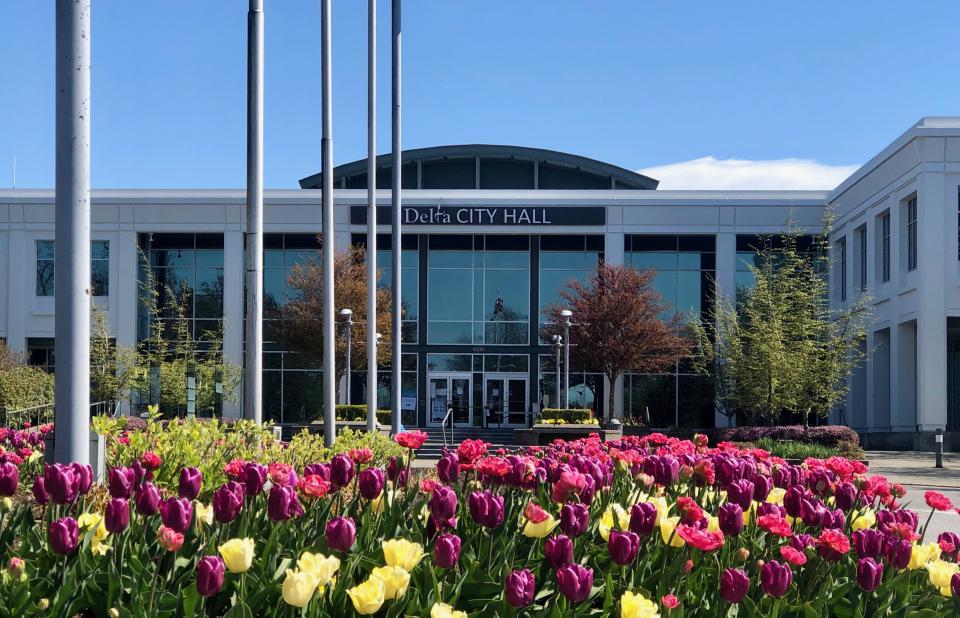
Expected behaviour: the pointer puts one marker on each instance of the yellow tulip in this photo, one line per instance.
(237, 554)
(402, 553)
(941, 572)
(204, 514)
(378, 503)
(298, 587)
(321, 567)
(922, 554)
(863, 520)
(776, 495)
(635, 605)
(367, 597)
(667, 527)
(94, 521)
(622, 521)
(442, 610)
(713, 524)
(395, 581)
(540, 530)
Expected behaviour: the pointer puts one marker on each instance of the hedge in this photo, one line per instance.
(574, 416)
(25, 387)
(827, 435)
(358, 412)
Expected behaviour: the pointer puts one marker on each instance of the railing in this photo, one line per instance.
(443, 427)
(39, 415)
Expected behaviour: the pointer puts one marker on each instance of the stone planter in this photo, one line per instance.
(542, 434)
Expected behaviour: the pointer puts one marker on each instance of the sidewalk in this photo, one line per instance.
(915, 468)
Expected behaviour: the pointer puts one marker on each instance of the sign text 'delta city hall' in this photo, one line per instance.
(486, 215)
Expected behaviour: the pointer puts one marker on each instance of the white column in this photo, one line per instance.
(21, 270)
(726, 283)
(933, 221)
(613, 254)
(233, 275)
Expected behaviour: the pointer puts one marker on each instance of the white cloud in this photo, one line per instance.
(712, 173)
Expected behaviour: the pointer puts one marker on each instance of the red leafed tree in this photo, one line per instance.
(616, 325)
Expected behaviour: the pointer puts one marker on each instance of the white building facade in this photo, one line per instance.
(491, 233)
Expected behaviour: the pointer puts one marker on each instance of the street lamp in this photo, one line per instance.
(566, 314)
(558, 343)
(347, 315)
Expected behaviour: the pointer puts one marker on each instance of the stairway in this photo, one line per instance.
(433, 447)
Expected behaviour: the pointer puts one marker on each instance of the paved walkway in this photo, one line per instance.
(916, 472)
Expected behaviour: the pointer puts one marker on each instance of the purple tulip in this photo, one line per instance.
(730, 518)
(341, 471)
(486, 508)
(740, 492)
(176, 514)
(955, 584)
(40, 491)
(282, 503)
(762, 485)
(558, 551)
(82, 477)
(819, 481)
(139, 473)
(9, 479)
(116, 516)
(210, 576)
(448, 468)
(519, 588)
(120, 482)
(574, 519)
(370, 482)
(190, 482)
(868, 543)
(446, 550)
(623, 546)
(397, 472)
(793, 501)
(227, 501)
(575, 582)
(869, 574)
(64, 535)
(589, 490)
(845, 495)
(254, 476)
(147, 499)
(443, 504)
(898, 552)
(341, 533)
(319, 469)
(734, 585)
(643, 517)
(775, 578)
(59, 481)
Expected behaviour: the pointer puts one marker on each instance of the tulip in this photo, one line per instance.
(540, 529)
(762, 485)
(176, 514)
(139, 473)
(147, 499)
(955, 584)
(83, 477)
(845, 496)
(868, 543)
(575, 582)
(446, 550)
(558, 551)
(120, 482)
(282, 503)
(370, 482)
(254, 476)
(298, 588)
(341, 532)
(574, 519)
(643, 519)
(793, 501)
(730, 518)
(486, 508)
(64, 535)
(117, 515)
(237, 554)
(734, 585)
(59, 482)
(190, 482)
(209, 576)
(40, 491)
(898, 553)
(9, 479)
(869, 574)
(775, 578)
(227, 501)
(16, 567)
(448, 468)
(319, 469)
(519, 587)
(321, 567)
(623, 547)
(395, 581)
(442, 610)
(741, 492)
(443, 504)
(341, 471)
(171, 540)
(402, 553)
(367, 597)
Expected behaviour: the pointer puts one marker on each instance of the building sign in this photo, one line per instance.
(486, 215)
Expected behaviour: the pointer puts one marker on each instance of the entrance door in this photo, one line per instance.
(450, 391)
(506, 400)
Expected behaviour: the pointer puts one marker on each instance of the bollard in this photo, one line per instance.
(938, 438)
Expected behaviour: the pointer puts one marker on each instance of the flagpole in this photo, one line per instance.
(371, 216)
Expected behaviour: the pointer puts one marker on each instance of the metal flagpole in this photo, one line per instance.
(329, 319)
(371, 216)
(253, 375)
(72, 232)
(395, 232)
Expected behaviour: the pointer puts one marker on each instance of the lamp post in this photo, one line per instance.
(558, 343)
(566, 314)
(347, 316)
(326, 218)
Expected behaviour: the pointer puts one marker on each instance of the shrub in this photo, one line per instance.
(575, 416)
(24, 387)
(827, 435)
(358, 412)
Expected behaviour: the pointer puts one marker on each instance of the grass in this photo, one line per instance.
(788, 449)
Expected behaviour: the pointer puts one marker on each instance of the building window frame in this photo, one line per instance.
(862, 257)
(885, 246)
(911, 220)
(841, 248)
(45, 261)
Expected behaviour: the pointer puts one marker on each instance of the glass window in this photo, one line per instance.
(682, 277)
(885, 246)
(45, 264)
(841, 248)
(564, 259)
(409, 285)
(912, 233)
(862, 252)
(99, 267)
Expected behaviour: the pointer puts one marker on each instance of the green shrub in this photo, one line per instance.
(575, 416)
(358, 412)
(790, 449)
(305, 448)
(24, 387)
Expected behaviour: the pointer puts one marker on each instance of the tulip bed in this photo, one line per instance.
(639, 527)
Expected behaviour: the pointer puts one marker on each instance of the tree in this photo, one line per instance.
(301, 319)
(782, 348)
(617, 325)
(10, 358)
(112, 367)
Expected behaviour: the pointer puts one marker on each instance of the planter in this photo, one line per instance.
(542, 434)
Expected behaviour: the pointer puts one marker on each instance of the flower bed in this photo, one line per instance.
(567, 416)
(639, 527)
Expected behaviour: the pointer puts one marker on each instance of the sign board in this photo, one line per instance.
(408, 403)
(488, 215)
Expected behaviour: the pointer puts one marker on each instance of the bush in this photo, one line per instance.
(827, 435)
(574, 416)
(358, 412)
(24, 387)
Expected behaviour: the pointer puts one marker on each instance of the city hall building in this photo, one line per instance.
(490, 236)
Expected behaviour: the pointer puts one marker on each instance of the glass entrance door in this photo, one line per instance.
(505, 400)
(450, 391)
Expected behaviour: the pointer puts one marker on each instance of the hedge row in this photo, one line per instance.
(566, 415)
(358, 412)
(827, 435)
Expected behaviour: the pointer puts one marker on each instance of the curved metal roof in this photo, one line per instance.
(550, 169)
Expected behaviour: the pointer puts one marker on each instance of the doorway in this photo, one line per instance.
(450, 391)
(506, 399)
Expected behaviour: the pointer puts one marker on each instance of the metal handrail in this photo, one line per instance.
(443, 427)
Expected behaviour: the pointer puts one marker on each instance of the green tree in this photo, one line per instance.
(112, 367)
(782, 347)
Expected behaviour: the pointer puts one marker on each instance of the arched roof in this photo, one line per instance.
(488, 166)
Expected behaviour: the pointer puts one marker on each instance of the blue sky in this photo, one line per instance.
(812, 86)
